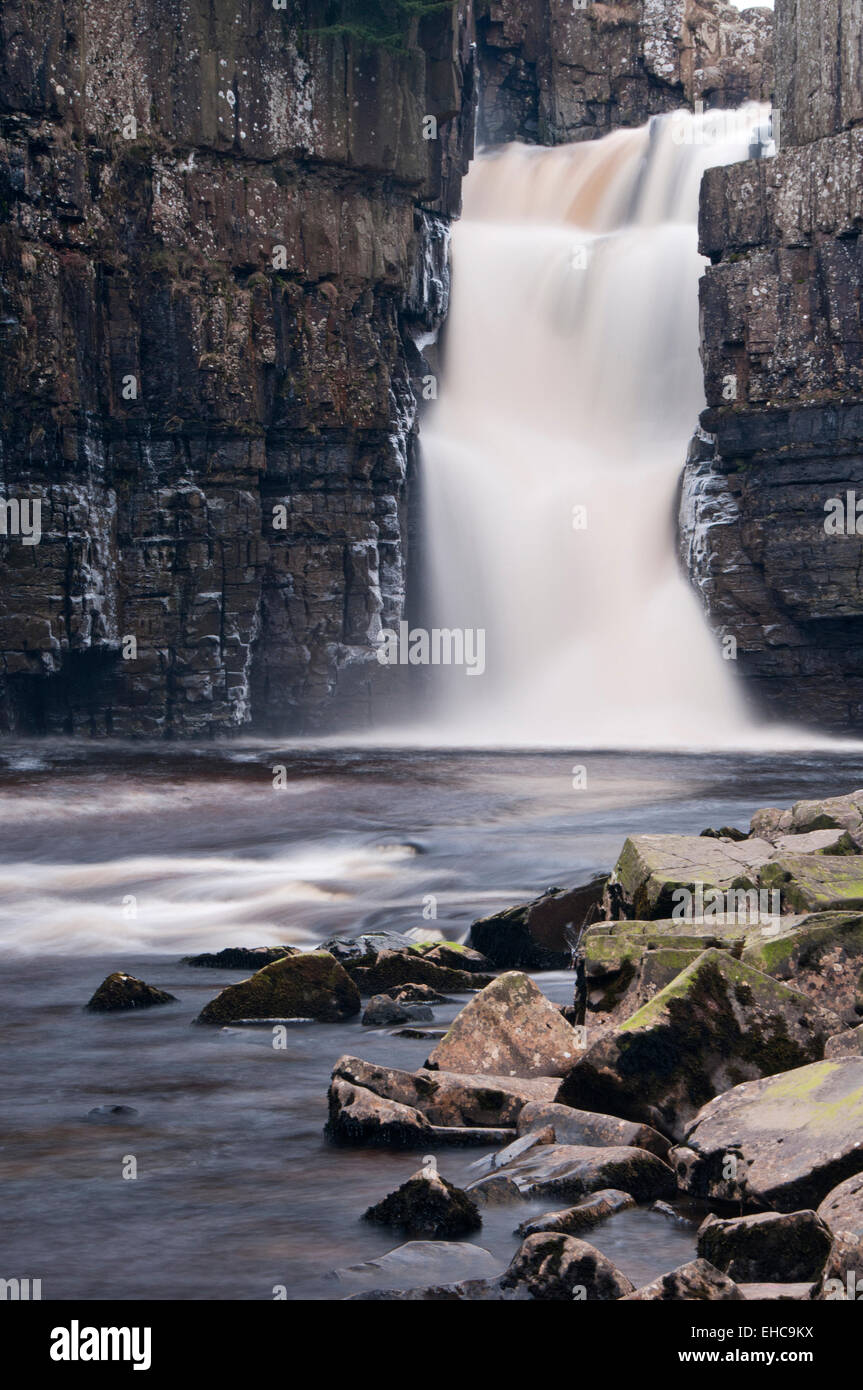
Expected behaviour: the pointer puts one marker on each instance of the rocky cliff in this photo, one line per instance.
(224, 227)
(770, 497)
(559, 70)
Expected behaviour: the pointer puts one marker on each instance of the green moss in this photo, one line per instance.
(390, 24)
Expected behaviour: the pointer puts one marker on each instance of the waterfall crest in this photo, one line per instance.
(552, 458)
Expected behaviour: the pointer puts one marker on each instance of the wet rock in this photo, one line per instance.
(538, 935)
(719, 1023)
(842, 1208)
(510, 1028)
(421, 1034)
(417, 994)
(382, 1011)
(111, 1114)
(573, 1171)
(456, 957)
(586, 1127)
(309, 985)
(357, 1116)
(793, 1138)
(696, 1282)
(392, 969)
(586, 1214)
(552, 1266)
(428, 1205)
(364, 950)
(119, 992)
(446, 1099)
(770, 1247)
(240, 957)
(513, 1150)
(842, 1278)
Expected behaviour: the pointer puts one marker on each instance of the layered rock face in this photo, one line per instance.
(559, 70)
(769, 508)
(222, 233)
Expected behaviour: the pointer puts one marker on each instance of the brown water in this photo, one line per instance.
(236, 1192)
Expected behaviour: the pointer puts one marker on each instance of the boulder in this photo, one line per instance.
(509, 1029)
(572, 1171)
(842, 1277)
(365, 949)
(416, 994)
(511, 1151)
(626, 963)
(847, 1044)
(821, 954)
(439, 1099)
(382, 1011)
(815, 882)
(309, 985)
(240, 957)
(719, 1023)
(586, 1214)
(554, 1266)
(696, 1282)
(793, 1137)
(538, 935)
(586, 1127)
(453, 956)
(842, 1208)
(652, 868)
(767, 1248)
(357, 1116)
(119, 992)
(392, 969)
(831, 813)
(428, 1205)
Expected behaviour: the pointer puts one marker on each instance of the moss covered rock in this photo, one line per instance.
(509, 1029)
(392, 969)
(815, 882)
(240, 957)
(718, 1023)
(653, 868)
(310, 985)
(120, 992)
(783, 1142)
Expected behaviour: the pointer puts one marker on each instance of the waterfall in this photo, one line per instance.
(552, 457)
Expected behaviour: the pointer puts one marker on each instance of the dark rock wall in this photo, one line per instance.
(166, 388)
(554, 71)
(782, 344)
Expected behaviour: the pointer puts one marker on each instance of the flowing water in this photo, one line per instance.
(236, 1192)
(551, 462)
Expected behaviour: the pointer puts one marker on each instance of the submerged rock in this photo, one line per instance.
(309, 985)
(240, 957)
(793, 1138)
(538, 935)
(382, 1011)
(718, 1023)
(767, 1248)
(423, 1262)
(112, 1114)
(427, 1205)
(587, 1213)
(553, 1266)
(510, 1028)
(119, 992)
(416, 994)
(696, 1282)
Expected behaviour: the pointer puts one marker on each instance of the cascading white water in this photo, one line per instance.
(552, 458)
